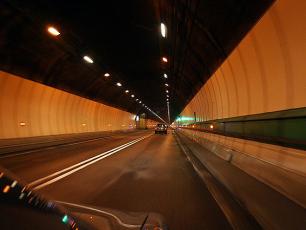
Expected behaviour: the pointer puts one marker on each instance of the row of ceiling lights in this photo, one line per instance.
(163, 31)
(55, 32)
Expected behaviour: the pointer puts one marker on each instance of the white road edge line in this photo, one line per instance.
(100, 211)
(83, 165)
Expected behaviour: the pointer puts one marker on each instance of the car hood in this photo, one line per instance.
(22, 208)
(93, 217)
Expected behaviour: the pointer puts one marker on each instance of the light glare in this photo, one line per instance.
(132, 95)
(165, 59)
(53, 31)
(6, 189)
(106, 75)
(127, 91)
(163, 30)
(88, 59)
(165, 76)
(65, 219)
(119, 84)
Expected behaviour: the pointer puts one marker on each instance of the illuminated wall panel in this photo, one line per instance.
(265, 73)
(29, 109)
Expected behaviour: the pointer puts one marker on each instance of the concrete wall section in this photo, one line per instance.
(29, 109)
(265, 73)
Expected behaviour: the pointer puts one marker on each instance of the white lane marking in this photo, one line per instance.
(101, 211)
(48, 148)
(78, 164)
(84, 164)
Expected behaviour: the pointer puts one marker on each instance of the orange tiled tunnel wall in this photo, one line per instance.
(29, 109)
(266, 72)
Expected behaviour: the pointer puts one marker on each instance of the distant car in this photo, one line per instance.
(161, 128)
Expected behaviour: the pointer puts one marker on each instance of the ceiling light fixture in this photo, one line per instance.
(163, 30)
(166, 84)
(165, 59)
(88, 59)
(165, 76)
(132, 95)
(119, 84)
(53, 31)
(167, 91)
(126, 91)
(106, 75)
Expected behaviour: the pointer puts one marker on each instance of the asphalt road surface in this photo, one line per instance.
(149, 174)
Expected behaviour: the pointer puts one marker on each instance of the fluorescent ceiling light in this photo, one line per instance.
(163, 30)
(53, 31)
(88, 59)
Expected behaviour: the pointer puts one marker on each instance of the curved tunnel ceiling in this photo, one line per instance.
(123, 39)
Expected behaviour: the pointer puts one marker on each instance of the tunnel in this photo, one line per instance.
(153, 114)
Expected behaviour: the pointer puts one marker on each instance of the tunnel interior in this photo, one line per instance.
(179, 113)
(124, 41)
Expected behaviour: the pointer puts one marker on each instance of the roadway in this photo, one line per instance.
(149, 174)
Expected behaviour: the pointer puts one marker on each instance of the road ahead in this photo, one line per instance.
(150, 175)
